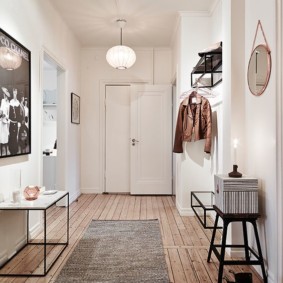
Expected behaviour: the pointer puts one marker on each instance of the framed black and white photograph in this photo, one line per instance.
(15, 97)
(75, 108)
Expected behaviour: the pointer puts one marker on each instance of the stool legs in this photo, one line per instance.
(259, 251)
(221, 256)
(213, 237)
(222, 253)
(245, 234)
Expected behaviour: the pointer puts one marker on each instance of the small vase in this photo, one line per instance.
(235, 173)
(31, 192)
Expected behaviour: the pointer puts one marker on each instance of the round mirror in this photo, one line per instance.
(259, 69)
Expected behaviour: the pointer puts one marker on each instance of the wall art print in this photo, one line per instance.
(15, 97)
(75, 108)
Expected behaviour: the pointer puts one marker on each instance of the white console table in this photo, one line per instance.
(43, 203)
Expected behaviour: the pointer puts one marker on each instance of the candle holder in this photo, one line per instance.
(31, 192)
(235, 173)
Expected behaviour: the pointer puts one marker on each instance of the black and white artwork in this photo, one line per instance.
(75, 108)
(15, 84)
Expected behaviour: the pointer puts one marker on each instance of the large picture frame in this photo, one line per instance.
(75, 108)
(15, 97)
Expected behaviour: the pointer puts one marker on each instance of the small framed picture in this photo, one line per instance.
(75, 108)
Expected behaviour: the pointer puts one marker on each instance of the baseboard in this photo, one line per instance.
(184, 211)
(3, 257)
(35, 230)
(270, 276)
(74, 196)
(235, 252)
(91, 191)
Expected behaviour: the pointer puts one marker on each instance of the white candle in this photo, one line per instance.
(235, 145)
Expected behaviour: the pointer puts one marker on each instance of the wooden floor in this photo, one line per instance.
(185, 241)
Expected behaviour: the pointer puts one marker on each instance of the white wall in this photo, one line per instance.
(261, 148)
(152, 66)
(249, 118)
(234, 77)
(195, 169)
(279, 139)
(176, 54)
(37, 25)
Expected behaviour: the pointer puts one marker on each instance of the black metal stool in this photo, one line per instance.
(227, 219)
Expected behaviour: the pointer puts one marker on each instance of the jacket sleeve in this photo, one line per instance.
(207, 146)
(178, 143)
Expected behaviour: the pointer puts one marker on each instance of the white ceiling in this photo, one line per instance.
(149, 22)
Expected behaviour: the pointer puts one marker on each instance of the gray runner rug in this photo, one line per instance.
(118, 251)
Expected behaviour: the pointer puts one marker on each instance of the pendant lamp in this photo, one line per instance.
(121, 57)
(9, 60)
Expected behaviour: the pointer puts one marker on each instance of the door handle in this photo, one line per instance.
(134, 141)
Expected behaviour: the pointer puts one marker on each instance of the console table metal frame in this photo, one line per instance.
(45, 243)
(227, 219)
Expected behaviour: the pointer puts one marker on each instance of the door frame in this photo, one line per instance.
(279, 118)
(164, 184)
(102, 123)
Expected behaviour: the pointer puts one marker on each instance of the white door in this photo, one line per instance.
(151, 139)
(117, 146)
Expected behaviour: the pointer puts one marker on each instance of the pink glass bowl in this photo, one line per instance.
(31, 192)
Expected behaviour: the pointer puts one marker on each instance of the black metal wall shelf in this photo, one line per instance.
(208, 70)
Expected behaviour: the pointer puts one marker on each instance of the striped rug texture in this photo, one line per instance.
(118, 251)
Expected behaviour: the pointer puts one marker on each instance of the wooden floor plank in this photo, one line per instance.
(177, 268)
(211, 267)
(167, 234)
(130, 213)
(202, 275)
(125, 208)
(155, 211)
(149, 209)
(143, 210)
(107, 207)
(178, 240)
(185, 241)
(188, 267)
(191, 231)
(113, 208)
(137, 208)
(169, 267)
(119, 208)
(199, 231)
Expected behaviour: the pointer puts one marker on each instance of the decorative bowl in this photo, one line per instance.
(31, 192)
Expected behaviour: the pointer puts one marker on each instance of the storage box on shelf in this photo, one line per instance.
(236, 195)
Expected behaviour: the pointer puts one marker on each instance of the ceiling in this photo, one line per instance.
(150, 23)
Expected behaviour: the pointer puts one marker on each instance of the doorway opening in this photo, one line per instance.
(51, 89)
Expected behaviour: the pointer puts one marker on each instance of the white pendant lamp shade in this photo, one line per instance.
(121, 57)
(9, 60)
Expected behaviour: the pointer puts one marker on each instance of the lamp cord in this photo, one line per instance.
(119, 17)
